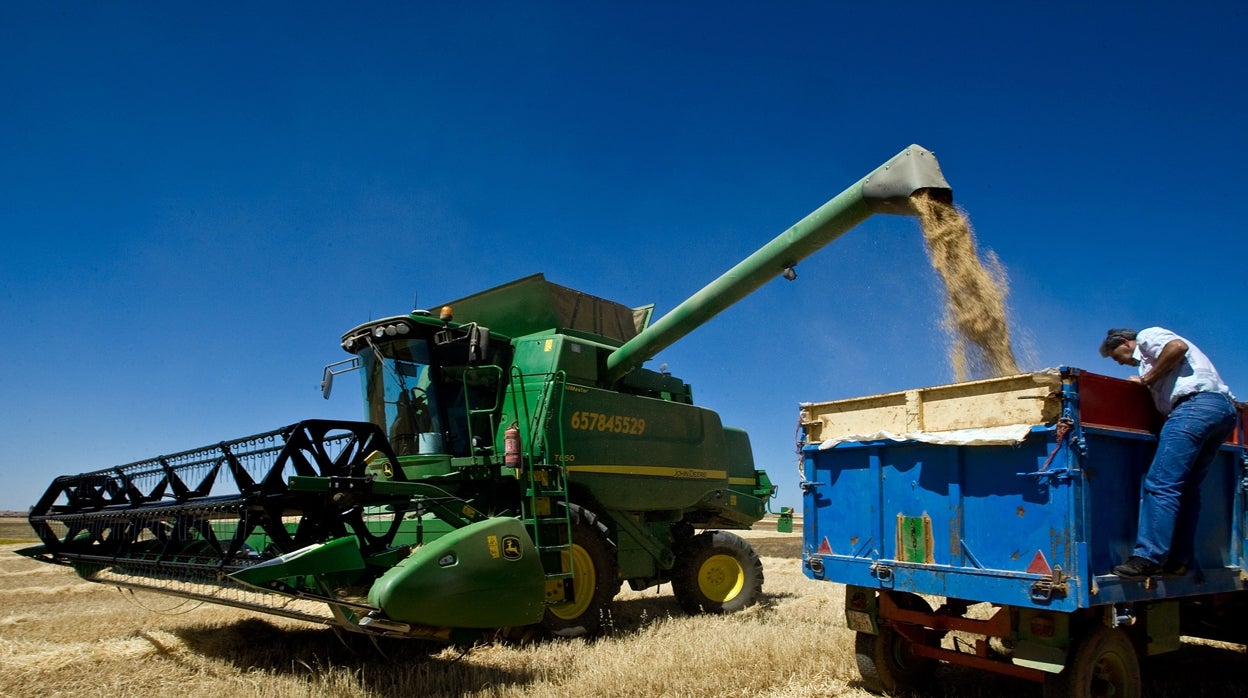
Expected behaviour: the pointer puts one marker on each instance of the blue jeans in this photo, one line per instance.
(1189, 440)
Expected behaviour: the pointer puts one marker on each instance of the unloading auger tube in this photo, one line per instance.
(886, 190)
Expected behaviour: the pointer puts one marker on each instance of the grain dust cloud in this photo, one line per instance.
(974, 294)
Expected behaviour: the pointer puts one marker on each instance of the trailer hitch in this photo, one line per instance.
(1042, 590)
(1064, 428)
(882, 572)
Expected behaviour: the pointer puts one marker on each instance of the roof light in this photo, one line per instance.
(447, 314)
(391, 330)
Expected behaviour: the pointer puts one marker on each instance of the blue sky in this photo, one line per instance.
(197, 200)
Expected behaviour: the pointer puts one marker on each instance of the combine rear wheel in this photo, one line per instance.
(596, 579)
(717, 572)
(887, 662)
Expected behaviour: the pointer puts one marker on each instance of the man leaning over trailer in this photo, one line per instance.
(1200, 414)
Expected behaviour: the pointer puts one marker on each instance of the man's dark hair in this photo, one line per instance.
(1115, 339)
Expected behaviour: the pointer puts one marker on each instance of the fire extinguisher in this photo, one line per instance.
(511, 447)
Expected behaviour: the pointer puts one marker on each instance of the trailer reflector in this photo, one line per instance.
(1039, 565)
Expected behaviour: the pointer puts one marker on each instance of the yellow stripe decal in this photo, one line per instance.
(651, 471)
(742, 481)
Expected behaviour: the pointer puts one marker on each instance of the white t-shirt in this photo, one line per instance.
(1195, 375)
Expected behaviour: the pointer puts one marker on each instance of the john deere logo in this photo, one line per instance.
(511, 547)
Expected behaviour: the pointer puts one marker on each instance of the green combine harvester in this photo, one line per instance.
(516, 467)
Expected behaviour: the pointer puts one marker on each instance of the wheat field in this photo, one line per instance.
(60, 636)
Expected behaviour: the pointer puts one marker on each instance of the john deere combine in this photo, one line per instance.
(517, 466)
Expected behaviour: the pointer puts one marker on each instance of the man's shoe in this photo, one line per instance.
(1136, 568)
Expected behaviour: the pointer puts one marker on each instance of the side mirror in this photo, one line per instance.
(478, 344)
(327, 377)
(327, 382)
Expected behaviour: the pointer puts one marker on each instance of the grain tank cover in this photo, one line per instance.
(533, 304)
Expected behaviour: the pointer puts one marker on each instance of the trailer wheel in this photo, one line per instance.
(595, 581)
(886, 661)
(717, 572)
(1103, 664)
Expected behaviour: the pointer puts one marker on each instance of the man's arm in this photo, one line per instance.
(1171, 356)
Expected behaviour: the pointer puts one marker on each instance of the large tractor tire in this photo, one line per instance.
(887, 662)
(717, 572)
(595, 582)
(1103, 664)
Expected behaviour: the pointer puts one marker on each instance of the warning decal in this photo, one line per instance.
(824, 547)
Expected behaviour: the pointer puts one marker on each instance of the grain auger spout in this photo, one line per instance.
(888, 189)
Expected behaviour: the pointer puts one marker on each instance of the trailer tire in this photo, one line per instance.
(596, 579)
(717, 572)
(886, 662)
(1103, 664)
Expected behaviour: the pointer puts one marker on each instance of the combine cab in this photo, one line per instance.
(516, 467)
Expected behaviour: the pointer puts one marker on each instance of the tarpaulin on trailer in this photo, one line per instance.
(988, 436)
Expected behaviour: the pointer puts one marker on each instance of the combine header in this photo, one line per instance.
(516, 467)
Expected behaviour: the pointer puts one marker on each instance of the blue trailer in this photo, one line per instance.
(995, 510)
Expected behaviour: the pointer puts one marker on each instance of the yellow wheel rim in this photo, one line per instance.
(721, 578)
(584, 581)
